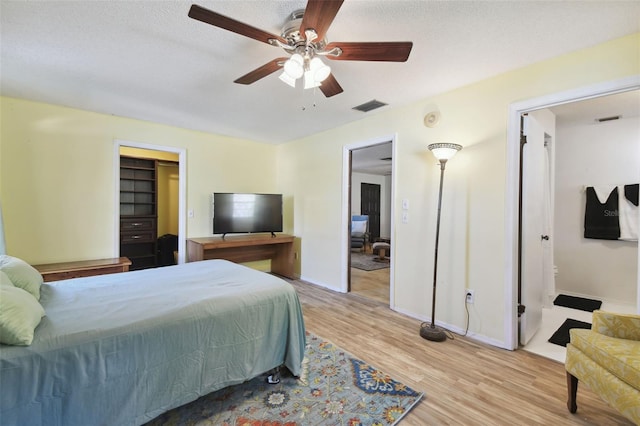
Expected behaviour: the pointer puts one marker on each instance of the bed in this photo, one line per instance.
(121, 349)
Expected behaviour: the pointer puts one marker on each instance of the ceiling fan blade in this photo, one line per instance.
(392, 51)
(210, 17)
(330, 86)
(261, 72)
(319, 15)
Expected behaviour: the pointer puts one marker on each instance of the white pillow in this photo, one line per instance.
(21, 274)
(359, 226)
(20, 314)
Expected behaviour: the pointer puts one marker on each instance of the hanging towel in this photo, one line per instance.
(631, 193)
(629, 212)
(603, 192)
(601, 217)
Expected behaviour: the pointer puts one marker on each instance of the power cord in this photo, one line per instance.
(450, 334)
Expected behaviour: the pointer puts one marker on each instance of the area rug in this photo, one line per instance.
(335, 388)
(574, 302)
(367, 262)
(561, 336)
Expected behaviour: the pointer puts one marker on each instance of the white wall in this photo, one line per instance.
(385, 198)
(588, 154)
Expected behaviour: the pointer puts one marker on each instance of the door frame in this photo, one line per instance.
(346, 212)
(182, 191)
(511, 206)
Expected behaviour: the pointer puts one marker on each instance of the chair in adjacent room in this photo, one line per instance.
(607, 359)
(359, 231)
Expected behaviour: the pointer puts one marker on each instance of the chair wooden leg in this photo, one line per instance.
(572, 390)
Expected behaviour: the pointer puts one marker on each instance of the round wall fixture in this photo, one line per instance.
(431, 119)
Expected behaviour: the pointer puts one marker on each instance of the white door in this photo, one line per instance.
(536, 235)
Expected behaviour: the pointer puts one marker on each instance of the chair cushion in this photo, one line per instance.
(380, 245)
(359, 226)
(617, 393)
(620, 357)
(623, 326)
(357, 242)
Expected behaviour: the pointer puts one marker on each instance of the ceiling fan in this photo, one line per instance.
(304, 39)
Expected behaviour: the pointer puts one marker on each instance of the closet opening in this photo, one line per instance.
(150, 201)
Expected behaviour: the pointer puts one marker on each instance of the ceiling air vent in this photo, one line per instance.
(605, 119)
(368, 106)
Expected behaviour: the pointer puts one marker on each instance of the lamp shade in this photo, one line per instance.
(319, 70)
(288, 79)
(294, 67)
(444, 151)
(309, 81)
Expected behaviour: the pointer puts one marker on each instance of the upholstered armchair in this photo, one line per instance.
(607, 359)
(359, 231)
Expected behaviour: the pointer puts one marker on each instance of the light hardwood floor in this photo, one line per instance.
(465, 382)
(371, 284)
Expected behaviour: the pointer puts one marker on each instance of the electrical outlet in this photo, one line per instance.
(470, 295)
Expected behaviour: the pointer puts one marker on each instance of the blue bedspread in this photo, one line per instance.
(121, 349)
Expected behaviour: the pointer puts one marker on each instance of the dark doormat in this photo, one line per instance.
(574, 302)
(561, 336)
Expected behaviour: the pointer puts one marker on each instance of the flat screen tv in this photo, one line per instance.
(235, 213)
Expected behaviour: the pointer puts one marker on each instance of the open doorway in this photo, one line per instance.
(576, 113)
(162, 205)
(592, 269)
(370, 215)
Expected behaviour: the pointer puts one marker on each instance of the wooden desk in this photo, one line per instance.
(246, 248)
(83, 268)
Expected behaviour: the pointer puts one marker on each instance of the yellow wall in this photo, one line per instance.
(472, 240)
(148, 153)
(57, 182)
(57, 175)
(168, 198)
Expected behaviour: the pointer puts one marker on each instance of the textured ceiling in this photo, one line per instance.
(148, 60)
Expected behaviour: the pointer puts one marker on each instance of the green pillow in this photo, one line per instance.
(21, 274)
(20, 314)
(4, 280)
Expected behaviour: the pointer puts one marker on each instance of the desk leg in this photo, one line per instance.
(195, 252)
(282, 262)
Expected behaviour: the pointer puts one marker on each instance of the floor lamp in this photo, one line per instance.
(443, 152)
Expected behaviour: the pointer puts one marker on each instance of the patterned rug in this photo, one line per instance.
(334, 389)
(367, 262)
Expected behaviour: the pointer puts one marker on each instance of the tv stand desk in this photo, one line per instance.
(246, 248)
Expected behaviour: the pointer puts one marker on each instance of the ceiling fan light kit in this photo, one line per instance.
(313, 70)
(303, 37)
